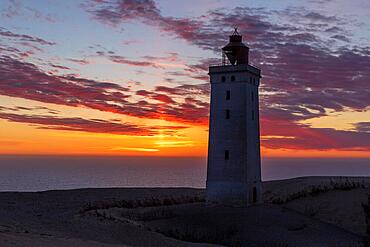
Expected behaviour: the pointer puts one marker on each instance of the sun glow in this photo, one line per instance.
(135, 149)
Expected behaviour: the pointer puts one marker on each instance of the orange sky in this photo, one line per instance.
(21, 138)
(136, 83)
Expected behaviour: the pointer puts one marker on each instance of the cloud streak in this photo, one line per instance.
(24, 37)
(88, 125)
(299, 137)
(308, 69)
(26, 80)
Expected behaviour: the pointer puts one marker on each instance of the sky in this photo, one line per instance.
(129, 77)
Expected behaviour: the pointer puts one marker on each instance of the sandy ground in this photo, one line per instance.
(54, 218)
(30, 240)
(339, 207)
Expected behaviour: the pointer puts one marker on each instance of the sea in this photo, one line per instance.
(40, 173)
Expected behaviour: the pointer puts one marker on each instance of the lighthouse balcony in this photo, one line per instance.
(240, 68)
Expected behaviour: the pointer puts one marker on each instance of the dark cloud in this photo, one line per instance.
(87, 125)
(340, 37)
(56, 66)
(21, 46)
(293, 59)
(182, 104)
(305, 72)
(123, 11)
(24, 108)
(296, 136)
(24, 37)
(156, 96)
(123, 60)
(79, 61)
(15, 8)
(303, 76)
(185, 90)
(115, 12)
(145, 61)
(362, 126)
(93, 83)
(172, 57)
(314, 16)
(26, 80)
(321, 1)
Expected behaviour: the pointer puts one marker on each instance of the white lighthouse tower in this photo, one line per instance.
(234, 165)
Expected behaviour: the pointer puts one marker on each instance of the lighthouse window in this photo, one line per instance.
(252, 96)
(232, 78)
(228, 95)
(223, 78)
(227, 155)
(227, 112)
(250, 79)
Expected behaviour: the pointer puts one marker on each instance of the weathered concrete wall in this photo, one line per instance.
(233, 180)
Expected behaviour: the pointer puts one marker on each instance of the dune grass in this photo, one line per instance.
(314, 190)
(146, 202)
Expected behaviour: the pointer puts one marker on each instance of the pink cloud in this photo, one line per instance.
(88, 125)
(26, 80)
(304, 137)
(79, 61)
(24, 37)
(303, 76)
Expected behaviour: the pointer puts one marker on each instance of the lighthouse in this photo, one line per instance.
(234, 164)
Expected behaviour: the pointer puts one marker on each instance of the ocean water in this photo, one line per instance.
(39, 173)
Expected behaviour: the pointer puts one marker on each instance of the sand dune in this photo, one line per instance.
(178, 217)
(30, 240)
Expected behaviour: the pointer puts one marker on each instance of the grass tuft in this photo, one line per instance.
(314, 190)
(146, 202)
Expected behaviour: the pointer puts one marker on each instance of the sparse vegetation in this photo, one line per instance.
(366, 242)
(148, 214)
(280, 243)
(209, 233)
(314, 190)
(146, 202)
(216, 234)
(313, 210)
(366, 208)
(353, 244)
